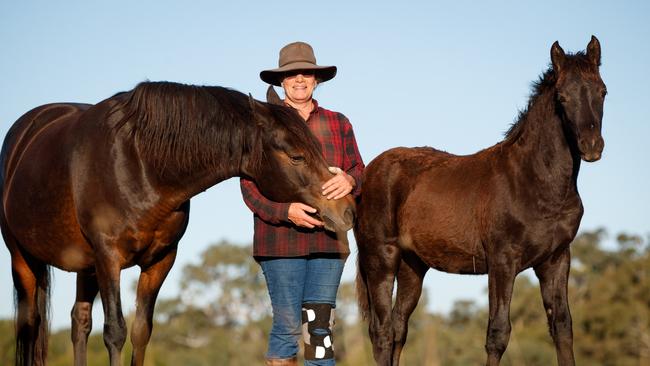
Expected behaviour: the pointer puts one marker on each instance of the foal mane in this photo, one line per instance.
(177, 127)
(545, 85)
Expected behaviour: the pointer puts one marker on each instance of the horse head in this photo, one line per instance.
(580, 95)
(291, 167)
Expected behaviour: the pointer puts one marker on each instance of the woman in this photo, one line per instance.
(302, 263)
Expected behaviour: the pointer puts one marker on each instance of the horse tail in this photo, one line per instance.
(362, 292)
(32, 327)
(363, 300)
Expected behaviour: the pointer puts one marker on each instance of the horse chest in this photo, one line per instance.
(549, 234)
(154, 242)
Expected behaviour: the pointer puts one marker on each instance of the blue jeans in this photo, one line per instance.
(292, 282)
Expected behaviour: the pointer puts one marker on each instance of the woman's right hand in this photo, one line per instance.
(299, 215)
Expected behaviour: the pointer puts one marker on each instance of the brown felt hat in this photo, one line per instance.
(297, 56)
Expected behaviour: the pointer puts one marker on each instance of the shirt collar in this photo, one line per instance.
(315, 106)
(314, 110)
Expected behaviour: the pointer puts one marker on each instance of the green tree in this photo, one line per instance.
(227, 284)
(7, 342)
(611, 293)
(221, 314)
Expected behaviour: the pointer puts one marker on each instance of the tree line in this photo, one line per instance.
(221, 316)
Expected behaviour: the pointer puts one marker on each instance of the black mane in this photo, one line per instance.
(177, 126)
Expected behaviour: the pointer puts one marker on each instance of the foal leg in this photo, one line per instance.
(553, 277)
(108, 278)
(409, 288)
(380, 266)
(149, 284)
(501, 278)
(82, 321)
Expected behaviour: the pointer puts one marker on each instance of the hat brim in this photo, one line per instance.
(275, 76)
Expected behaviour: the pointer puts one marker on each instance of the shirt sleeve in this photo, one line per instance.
(269, 211)
(352, 162)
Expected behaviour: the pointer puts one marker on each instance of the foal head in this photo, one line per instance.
(290, 166)
(580, 94)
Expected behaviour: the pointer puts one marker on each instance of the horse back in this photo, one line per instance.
(29, 125)
(387, 181)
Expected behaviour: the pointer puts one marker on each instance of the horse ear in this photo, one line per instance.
(557, 56)
(255, 107)
(252, 102)
(593, 51)
(272, 96)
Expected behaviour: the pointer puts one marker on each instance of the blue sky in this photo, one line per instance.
(446, 74)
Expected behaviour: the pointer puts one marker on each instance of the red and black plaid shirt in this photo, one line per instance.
(275, 235)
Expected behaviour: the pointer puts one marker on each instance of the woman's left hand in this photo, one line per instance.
(339, 186)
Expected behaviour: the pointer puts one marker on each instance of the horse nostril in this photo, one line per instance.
(329, 223)
(597, 143)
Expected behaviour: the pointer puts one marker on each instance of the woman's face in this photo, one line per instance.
(299, 85)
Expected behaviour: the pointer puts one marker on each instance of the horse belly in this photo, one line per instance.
(442, 237)
(439, 219)
(448, 254)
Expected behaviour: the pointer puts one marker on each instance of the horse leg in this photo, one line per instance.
(409, 288)
(81, 315)
(149, 284)
(501, 278)
(380, 266)
(31, 281)
(108, 278)
(553, 277)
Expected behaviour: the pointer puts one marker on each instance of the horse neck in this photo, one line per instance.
(189, 138)
(184, 181)
(542, 149)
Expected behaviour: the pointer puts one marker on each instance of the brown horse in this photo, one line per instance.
(97, 188)
(512, 206)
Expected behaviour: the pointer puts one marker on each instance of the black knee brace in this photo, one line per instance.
(317, 323)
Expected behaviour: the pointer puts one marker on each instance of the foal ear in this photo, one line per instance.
(272, 96)
(557, 56)
(593, 51)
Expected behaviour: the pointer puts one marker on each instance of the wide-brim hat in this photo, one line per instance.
(297, 56)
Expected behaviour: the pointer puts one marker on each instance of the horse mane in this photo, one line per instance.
(296, 126)
(545, 84)
(177, 126)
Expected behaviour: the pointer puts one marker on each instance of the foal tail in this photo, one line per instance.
(362, 291)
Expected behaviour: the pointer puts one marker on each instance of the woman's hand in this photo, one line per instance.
(339, 186)
(299, 215)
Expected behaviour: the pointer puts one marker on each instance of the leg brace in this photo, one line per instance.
(317, 324)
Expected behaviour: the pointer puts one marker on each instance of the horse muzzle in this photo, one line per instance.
(339, 218)
(591, 149)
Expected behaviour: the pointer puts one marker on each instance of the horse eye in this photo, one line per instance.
(561, 98)
(297, 159)
(604, 92)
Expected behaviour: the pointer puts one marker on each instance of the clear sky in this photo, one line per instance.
(447, 74)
